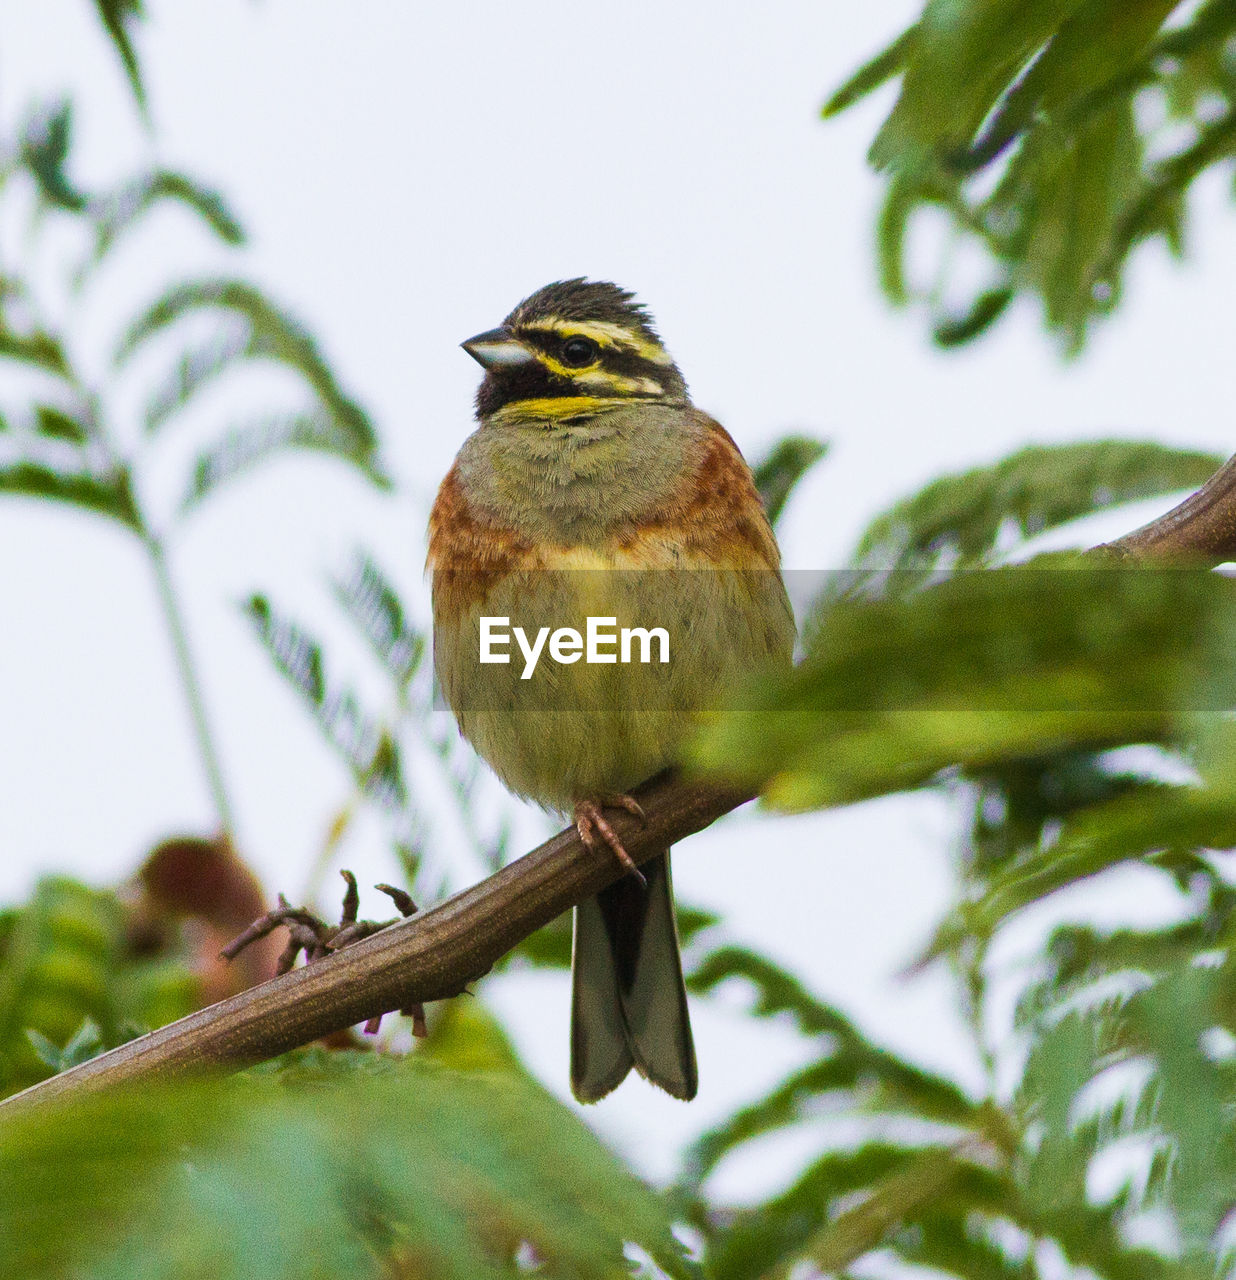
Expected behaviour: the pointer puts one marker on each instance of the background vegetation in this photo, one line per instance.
(1075, 714)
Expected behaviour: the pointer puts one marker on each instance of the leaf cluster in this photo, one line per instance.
(1054, 137)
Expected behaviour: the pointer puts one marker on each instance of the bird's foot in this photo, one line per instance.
(593, 828)
(311, 934)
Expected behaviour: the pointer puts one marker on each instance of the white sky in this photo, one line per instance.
(406, 174)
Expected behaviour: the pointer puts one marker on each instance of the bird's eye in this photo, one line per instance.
(578, 352)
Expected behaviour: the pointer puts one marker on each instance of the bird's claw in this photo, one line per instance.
(593, 828)
(312, 935)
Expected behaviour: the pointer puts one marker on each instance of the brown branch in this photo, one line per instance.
(1200, 531)
(431, 956)
(436, 953)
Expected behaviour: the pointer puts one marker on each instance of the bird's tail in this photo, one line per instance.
(628, 1001)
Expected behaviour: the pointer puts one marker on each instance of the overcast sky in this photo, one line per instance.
(407, 173)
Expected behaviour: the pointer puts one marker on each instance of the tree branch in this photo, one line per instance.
(436, 953)
(429, 956)
(1200, 531)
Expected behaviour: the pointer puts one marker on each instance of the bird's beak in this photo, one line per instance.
(497, 347)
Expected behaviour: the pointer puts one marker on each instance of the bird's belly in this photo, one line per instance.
(562, 727)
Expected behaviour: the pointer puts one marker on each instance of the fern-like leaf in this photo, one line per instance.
(46, 142)
(963, 519)
(102, 494)
(258, 441)
(364, 743)
(119, 212)
(373, 604)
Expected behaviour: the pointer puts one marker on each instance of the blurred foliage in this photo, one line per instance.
(1080, 715)
(1054, 136)
(372, 1166)
(66, 435)
(1057, 654)
(780, 470)
(119, 17)
(71, 982)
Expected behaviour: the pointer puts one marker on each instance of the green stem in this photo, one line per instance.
(189, 682)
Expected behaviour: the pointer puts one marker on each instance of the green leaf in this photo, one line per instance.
(952, 1239)
(776, 990)
(784, 466)
(964, 57)
(400, 1168)
(900, 201)
(1154, 820)
(260, 440)
(118, 212)
(85, 1043)
(962, 519)
(985, 667)
(986, 309)
(887, 1180)
(861, 1077)
(56, 424)
(54, 973)
(372, 602)
(1090, 54)
(892, 1200)
(104, 495)
(1053, 92)
(1078, 183)
(1016, 804)
(366, 745)
(45, 146)
(37, 348)
(1157, 208)
(197, 366)
(1181, 1110)
(465, 1036)
(873, 74)
(336, 425)
(1078, 959)
(1193, 1100)
(875, 1079)
(275, 333)
(118, 17)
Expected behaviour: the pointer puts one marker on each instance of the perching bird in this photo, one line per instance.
(594, 488)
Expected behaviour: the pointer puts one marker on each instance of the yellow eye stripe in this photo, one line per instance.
(604, 332)
(603, 380)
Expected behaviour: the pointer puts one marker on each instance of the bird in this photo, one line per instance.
(593, 487)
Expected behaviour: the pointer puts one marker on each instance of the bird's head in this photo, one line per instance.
(572, 349)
